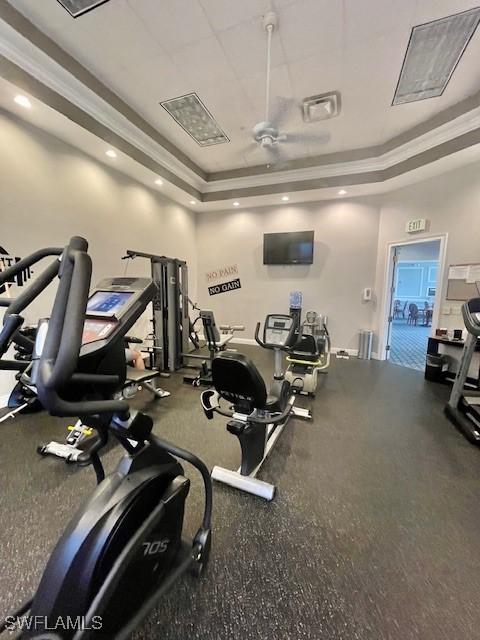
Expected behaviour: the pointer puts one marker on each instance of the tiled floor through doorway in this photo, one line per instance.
(409, 344)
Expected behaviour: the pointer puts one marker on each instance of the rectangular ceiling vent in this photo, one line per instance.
(321, 107)
(76, 7)
(194, 117)
(433, 52)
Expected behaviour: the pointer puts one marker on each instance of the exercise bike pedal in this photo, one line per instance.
(202, 545)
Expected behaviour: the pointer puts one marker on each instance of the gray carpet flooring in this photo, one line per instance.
(373, 534)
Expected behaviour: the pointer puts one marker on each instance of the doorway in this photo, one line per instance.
(415, 274)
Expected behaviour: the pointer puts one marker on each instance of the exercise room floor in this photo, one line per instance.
(374, 532)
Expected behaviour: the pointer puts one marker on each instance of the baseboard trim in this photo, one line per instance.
(249, 341)
(351, 352)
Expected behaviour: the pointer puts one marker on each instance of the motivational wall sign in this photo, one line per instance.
(223, 279)
(7, 260)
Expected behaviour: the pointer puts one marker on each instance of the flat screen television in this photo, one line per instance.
(288, 248)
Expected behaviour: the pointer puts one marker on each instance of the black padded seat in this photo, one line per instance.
(238, 380)
(305, 350)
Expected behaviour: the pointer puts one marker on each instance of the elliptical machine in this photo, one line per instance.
(123, 549)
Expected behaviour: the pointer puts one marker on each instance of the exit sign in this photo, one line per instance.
(413, 226)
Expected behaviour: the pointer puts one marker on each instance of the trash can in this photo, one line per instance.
(435, 367)
(365, 344)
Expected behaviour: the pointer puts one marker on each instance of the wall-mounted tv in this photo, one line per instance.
(288, 248)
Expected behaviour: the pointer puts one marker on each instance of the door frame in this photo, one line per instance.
(387, 295)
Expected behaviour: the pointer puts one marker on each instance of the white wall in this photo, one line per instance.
(451, 203)
(50, 191)
(344, 263)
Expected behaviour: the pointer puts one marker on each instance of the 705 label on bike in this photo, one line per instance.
(158, 546)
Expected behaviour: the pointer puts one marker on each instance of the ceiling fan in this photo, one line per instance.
(267, 133)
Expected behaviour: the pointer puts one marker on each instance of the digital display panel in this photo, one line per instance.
(94, 330)
(108, 302)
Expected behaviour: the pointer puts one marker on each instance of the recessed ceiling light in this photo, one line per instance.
(285, 198)
(236, 204)
(111, 153)
(23, 101)
(192, 202)
(158, 181)
(342, 192)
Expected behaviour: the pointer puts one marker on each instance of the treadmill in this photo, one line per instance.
(463, 408)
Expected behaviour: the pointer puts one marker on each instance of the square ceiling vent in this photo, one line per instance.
(76, 7)
(321, 107)
(194, 117)
(433, 53)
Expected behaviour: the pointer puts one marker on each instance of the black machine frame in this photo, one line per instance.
(170, 320)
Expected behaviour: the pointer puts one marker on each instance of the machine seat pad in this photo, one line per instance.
(238, 380)
(139, 375)
(299, 357)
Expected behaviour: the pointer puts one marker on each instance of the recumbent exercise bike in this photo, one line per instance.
(257, 417)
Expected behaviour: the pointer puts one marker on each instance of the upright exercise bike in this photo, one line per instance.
(123, 549)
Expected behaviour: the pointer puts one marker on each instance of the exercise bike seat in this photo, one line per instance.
(305, 350)
(237, 380)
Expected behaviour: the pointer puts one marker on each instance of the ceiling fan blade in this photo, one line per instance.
(304, 138)
(281, 110)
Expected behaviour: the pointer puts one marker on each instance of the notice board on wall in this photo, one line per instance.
(463, 281)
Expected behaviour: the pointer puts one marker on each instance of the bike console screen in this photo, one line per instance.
(277, 329)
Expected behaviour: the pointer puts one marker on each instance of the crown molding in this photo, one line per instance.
(52, 75)
(464, 124)
(42, 68)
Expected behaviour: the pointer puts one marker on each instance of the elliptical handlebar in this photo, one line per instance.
(14, 306)
(58, 359)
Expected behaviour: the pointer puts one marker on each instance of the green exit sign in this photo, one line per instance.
(413, 226)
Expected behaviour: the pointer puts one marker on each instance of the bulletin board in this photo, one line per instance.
(463, 281)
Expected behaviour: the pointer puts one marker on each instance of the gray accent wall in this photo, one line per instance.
(50, 191)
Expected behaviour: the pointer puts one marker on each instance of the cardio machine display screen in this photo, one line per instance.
(94, 330)
(108, 303)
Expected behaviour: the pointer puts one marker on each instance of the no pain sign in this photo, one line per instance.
(216, 280)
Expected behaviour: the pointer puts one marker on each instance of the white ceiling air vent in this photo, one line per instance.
(322, 107)
(433, 52)
(193, 116)
(76, 7)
